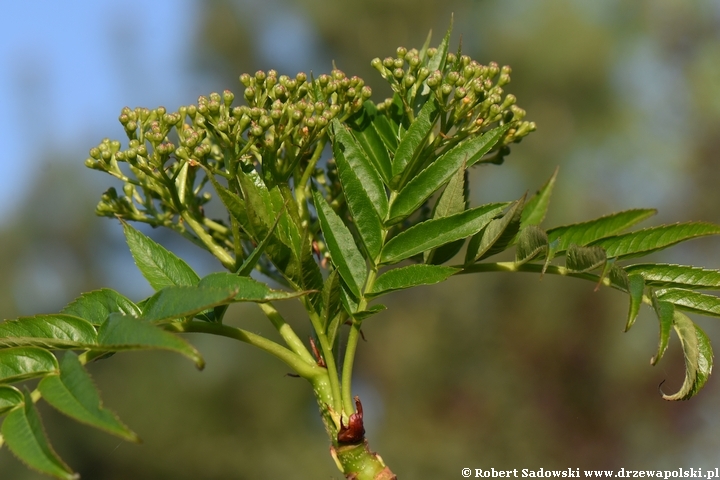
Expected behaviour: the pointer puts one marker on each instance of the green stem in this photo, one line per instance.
(327, 354)
(219, 252)
(536, 268)
(296, 362)
(287, 333)
(303, 186)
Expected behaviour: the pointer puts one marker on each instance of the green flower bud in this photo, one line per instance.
(249, 93)
(301, 78)
(310, 122)
(401, 52)
(322, 121)
(504, 79)
(452, 78)
(265, 121)
(518, 113)
(94, 164)
(106, 155)
(228, 98)
(291, 85)
(276, 114)
(142, 150)
(192, 110)
(245, 79)
(351, 92)
(222, 125)
(509, 100)
(398, 63)
(323, 79)
(366, 92)
(413, 60)
(124, 119)
(203, 109)
(335, 109)
(376, 63)
(446, 89)
(214, 107)
(337, 74)
(460, 92)
(95, 153)
(332, 86)
(255, 113)
(120, 156)
(492, 70)
(409, 81)
(296, 115)
(398, 73)
(131, 153)
(434, 79)
(422, 74)
(431, 52)
(182, 153)
(451, 58)
(389, 62)
(280, 91)
(260, 76)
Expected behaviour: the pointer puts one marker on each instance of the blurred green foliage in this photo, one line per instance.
(488, 370)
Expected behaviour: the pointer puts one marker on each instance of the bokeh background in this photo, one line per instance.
(495, 370)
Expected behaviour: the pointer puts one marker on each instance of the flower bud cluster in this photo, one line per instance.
(470, 94)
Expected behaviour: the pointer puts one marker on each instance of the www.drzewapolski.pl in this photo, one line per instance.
(707, 474)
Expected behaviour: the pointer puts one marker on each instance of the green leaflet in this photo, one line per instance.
(371, 310)
(234, 204)
(433, 233)
(160, 267)
(249, 264)
(412, 143)
(691, 301)
(365, 130)
(258, 204)
(73, 393)
(23, 433)
(48, 331)
(636, 288)
(175, 302)
(665, 312)
(22, 363)
(247, 289)
(643, 242)
(698, 357)
(496, 236)
(341, 244)
(95, 306)
(584, 233)
(536, 207)
(452, 200)
(532, 241)
(435, 175)
(10, 397)
(127, 333)
(330, 298)
(437, 62)
(363, 188)
(410, 276)
(666, 275)
(584, 259)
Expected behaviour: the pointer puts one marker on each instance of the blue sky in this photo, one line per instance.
(69, 67)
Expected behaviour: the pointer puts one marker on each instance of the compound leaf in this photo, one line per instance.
(95, 306)
(584, 233)
(128, 333)
(410, 276)
(73, 393)
(643, 242)
(160, 267)
(48, 331)
(433, 233)
(22, 363)
(23, 432)
(341, 244)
